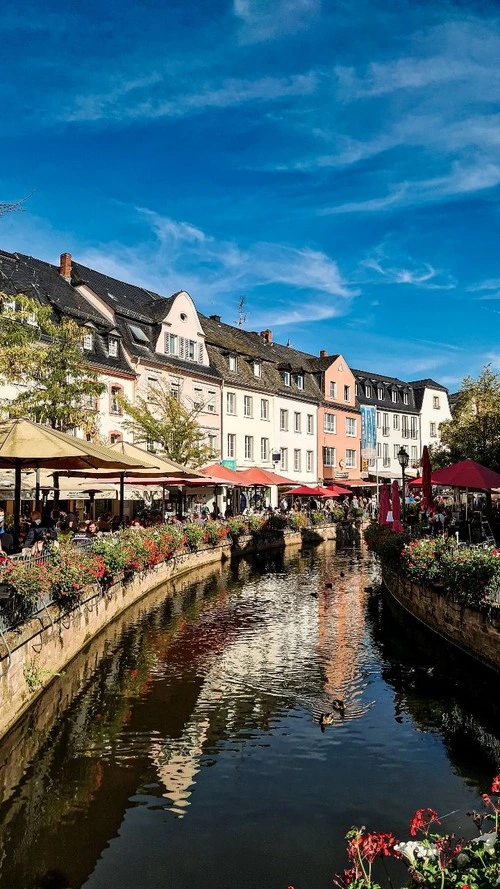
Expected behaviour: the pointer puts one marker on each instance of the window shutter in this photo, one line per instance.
(167, 344)
(182, 347)
(200, 353)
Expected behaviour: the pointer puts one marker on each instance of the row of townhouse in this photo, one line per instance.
(260, 403)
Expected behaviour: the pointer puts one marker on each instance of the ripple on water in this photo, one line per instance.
(200, 731)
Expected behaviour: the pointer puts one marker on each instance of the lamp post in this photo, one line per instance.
(403, 460)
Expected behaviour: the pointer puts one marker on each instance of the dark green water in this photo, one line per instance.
(192, 755)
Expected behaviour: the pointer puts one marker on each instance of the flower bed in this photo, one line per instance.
(66, 571)
(434, 860)
(469, 575)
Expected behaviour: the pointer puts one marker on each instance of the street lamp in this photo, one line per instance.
(403, 460)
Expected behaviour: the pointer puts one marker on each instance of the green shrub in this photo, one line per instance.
(297, 521)
(194, 535)
(317, 517)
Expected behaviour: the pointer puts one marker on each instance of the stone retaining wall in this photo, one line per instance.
(476, 633)
(43, 646)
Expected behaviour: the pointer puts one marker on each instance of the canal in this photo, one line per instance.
(183, 748)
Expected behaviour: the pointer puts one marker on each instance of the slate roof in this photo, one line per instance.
(223, 340)
(427, 384)
(389, 384)
(42, 281)
(129, 300)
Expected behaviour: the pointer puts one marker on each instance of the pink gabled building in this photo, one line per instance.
(339, 420)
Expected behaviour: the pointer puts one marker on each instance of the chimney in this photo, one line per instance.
(215, 318)
(323, 353)
(267, 335)
(65, 266)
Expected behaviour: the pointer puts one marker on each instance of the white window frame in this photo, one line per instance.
(297, 459)
(435, 402)
(88, 341)
(309, 461)
(329, 456)
(297, 421)
(247, 406)
(231, 445)
(350, 461)
(350, 427)
(333, 389)
(284, 458)
(287, 378)
(264, 450)
(256, 369)
(113, 347)
(232, 363)
(310, 424)
(347, 393)
(300, 381)
(330, 423)
(248, 447)
(231, 403)
(283, 420)
(264, 409)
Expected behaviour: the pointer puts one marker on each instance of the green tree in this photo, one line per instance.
(474, 430)
(163, 421)
(41, 356)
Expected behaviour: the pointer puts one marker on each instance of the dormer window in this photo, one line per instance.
(394, 396)
(88, 341)
(300, 381)
(113, 347)
(368, 390)
(405, 397)
(286, 378)
(380, 393)
(256, 368)
(231, 361)
(9, 305)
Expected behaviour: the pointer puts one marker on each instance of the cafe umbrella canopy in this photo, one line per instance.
(24, 444)
(149, 468)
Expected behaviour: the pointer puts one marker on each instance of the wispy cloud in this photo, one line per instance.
(181, 255)
(261, 20)
(489, 284)
(145, 99)
(413, 273)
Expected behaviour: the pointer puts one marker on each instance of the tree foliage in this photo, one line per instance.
(163, 421)
(41, 356)
(474, 430)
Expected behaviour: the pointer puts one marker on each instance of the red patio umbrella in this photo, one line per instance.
(261, 478)
(338, 491)
(304, 491)
(415, 483)
(467, 474)
(384, 505)
(396, 508)
(426, 478)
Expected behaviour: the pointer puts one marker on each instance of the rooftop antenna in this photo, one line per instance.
(289, 343)
(242, 315)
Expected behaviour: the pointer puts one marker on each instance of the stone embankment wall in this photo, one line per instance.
(42, 647)
(475, 632)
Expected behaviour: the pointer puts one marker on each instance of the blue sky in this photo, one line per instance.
(337, 163)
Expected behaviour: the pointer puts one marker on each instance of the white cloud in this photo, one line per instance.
(122, 102)
(422, 275)
(489, 284)
(177, 255)
(263, 20)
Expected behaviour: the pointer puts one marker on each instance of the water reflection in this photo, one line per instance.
(191, 754)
